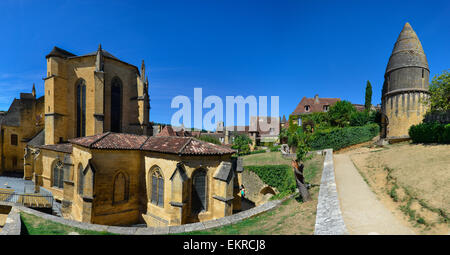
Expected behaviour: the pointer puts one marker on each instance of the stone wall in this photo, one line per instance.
(253, 186)
(12, 224)
(329, 219)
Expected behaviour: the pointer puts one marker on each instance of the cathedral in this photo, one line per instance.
(405, 87)
(88, 141)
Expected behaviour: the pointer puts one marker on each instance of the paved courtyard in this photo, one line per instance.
(19, 185)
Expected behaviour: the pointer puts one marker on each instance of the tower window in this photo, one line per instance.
(81, 109)
(422, 73)
(14, 139)
(116, 104)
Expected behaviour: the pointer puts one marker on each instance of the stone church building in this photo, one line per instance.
(88, 141)
(405, 86)
(23, 121)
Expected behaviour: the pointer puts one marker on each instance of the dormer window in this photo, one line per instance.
(307, 107)
(326, 108)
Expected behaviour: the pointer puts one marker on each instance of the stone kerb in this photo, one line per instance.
(329, 219)
(13, 225)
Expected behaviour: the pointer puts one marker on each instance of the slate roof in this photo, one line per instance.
(315, 106)
(62, 147)
(223, 172)
(163, 144)
(58, 52)
(38, 139)
(94, 53)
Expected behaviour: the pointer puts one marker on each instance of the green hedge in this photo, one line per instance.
(252, 152)
(430, 133)
(279, 176)
(275, 148)
(343, 137)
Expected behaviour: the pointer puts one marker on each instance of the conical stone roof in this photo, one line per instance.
(407, 52)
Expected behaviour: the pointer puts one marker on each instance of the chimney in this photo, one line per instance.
(316, 99)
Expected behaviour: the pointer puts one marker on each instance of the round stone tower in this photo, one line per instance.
(405, 86)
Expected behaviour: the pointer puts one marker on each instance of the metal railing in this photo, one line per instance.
(29, 200)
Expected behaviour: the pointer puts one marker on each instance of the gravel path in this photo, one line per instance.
(363, 213)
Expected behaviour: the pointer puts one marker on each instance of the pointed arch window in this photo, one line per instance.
(80, 179)
(199, 191)
(157, 190)
(116, 105)
(81, 108)
(120, 192)
(58, 175)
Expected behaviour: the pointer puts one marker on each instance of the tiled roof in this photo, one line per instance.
(168, 131)
(62, 147)
(315, 106)
(359, 107)
(112, 141)
(163, 144)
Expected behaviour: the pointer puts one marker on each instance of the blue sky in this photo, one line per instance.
(288, 49)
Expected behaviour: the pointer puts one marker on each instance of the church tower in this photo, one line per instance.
(405, 86)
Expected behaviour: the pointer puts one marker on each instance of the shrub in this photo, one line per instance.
(343, 137)
(279, 176)
(210, 139)
(319, 120)
(339, 113)
(275, 148)
(241, 143)
(361, 118)
(430, 133)
(257, 151)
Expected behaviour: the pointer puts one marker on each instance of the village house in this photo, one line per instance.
(311, 105)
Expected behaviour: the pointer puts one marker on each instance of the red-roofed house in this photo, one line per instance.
(311, 105)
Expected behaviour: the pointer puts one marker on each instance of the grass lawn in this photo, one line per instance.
(38, 226)
(292, 217)
(268, 158)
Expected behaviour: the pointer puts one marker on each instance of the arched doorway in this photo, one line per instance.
(384, 125)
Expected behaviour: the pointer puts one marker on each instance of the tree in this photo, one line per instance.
(439, 99)
(298, 165)
(368, 102)
(339, 114)
(241, 143)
